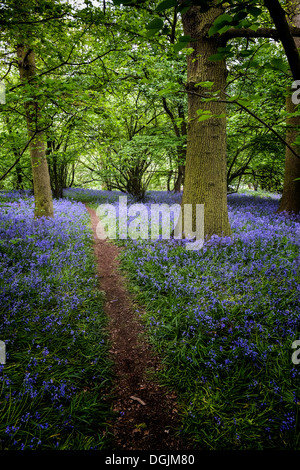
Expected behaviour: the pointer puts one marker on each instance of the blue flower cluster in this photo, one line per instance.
(48, 297)
(229, 311)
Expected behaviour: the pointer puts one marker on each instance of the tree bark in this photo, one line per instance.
(290, 201)
(181, 152)
(40, 172)
(20, 184)
(205, 172)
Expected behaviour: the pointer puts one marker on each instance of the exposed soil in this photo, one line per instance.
(147, 412)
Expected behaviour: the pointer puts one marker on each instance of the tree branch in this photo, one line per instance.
(18, 159)
(253, 115)
(268, 33)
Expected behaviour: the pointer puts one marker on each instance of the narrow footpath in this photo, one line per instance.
(147, 413)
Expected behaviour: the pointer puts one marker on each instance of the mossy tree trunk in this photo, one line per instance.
(205, 172)
(37, 148)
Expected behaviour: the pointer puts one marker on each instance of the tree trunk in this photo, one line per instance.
(205, 172)
(281, 23)
(19, 176)
(40, 172)
(181, 152)
(179, 179)
(290, 201)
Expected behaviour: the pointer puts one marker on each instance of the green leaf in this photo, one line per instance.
(240, 16)
(254, 11)
(225, 18)
(254, 26)
(225, 49)
(183, 42)
(165, 30)
(244, 102)
(232, 98)
(244, 24)
(279, 64)
(253, 63)
(15, 240)
(208, 100)
(218, 28)
(171, 89)
(151, 33)
(224, 29)
(166, 4)
(185, 39)
(246, 53)
(202, 111)
(206, 84)
(179, 46)
(204, 117)
(183, 8)
(219, 56)
(156, 24)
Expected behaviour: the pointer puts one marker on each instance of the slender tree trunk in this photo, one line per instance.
(182, 151)
(19, 176)
(40, 172)
(179, 179)
(205, 172)
(70, 183)
(290, 201)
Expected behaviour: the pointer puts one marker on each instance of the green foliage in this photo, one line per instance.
(111, 88)
(255, 154)
(166, 4)
(98, 91)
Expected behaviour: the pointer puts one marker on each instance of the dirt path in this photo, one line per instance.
(147, 414)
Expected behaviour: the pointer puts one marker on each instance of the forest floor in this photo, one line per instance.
(147, 413)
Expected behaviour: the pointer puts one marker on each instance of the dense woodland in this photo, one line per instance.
(137, 95)
(173, 101)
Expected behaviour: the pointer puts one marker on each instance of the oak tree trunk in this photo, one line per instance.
(290, 201)
(40, 172)
(205, 172)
